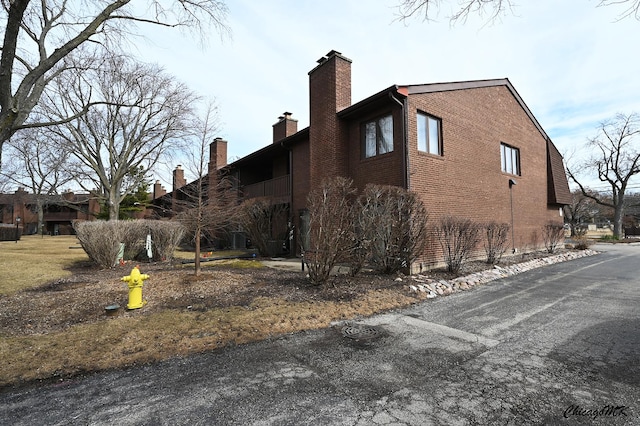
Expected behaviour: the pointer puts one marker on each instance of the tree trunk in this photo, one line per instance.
(40, 215)
(197, 253)
(617, 220)
(114, 203)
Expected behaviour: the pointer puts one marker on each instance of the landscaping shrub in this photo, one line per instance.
(166, 236)
(582, 242)
(101, 240)
(392, 226)
(495, 242)
(458, 238)
(256, 217)
(552, 235)
(330, 227)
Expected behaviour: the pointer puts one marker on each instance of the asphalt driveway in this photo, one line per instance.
(556, 345)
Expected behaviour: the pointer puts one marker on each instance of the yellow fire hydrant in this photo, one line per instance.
(135, 280)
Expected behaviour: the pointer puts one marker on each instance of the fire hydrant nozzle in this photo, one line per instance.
(135, 281)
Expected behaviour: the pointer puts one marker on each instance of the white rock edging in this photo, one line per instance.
(435, 288)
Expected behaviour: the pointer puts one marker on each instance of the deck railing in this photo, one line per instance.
(279, 187)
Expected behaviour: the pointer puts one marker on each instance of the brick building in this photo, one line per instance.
(59, 211)
(470, 149)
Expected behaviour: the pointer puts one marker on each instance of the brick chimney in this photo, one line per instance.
(286, 126)
(217, 154)
(178, 178)
(158, 190)
(329, 92)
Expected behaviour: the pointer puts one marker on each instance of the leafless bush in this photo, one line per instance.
(100, 240)
(257, 216)
(394, 227)
(582, 242)
(134, 234)
(330, 227)
(579, 230)
(458, 238)
(166, 236)
(495, 243)
(552, 234)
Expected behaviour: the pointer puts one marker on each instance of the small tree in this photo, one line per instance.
(330, 227)
(495, 243)
(257, 216)
(207, 206)
(394, 227)
(458, 238)
(552, 234)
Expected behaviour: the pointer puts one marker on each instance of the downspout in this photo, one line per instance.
(405, 141)
(291, 215)
(290, 173)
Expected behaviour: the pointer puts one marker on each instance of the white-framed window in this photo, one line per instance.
(510, 159)
(429, 134)
(378, 136)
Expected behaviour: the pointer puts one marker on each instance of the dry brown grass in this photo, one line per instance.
(57, 327)
(34, 260)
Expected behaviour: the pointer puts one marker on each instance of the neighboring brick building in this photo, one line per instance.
(59, 211)
(470, 149)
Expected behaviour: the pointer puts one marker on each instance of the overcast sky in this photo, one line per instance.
(573, 63)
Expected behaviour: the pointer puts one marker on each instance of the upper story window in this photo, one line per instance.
(510, 158)
(378, 136)
(429, 139)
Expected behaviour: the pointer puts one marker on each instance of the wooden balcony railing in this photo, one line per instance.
(279, 188)
(61, 216)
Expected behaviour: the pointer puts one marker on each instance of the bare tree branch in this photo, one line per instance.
(56, 28)
(633, 9)
(491, 9)
(616, 161)
(143, 113)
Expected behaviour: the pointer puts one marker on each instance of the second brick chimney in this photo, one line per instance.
(286, 126)
(178, 178)
(217, 154)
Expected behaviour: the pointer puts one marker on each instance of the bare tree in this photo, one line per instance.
(40, 164)
(582, 210)
(493, 9)
(144, 114)
(39, 35)
(257, 217)
(615, 162)
(208, 205)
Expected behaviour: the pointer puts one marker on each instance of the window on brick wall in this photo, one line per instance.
(510, 158)
(429, 139)
(378, 136)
